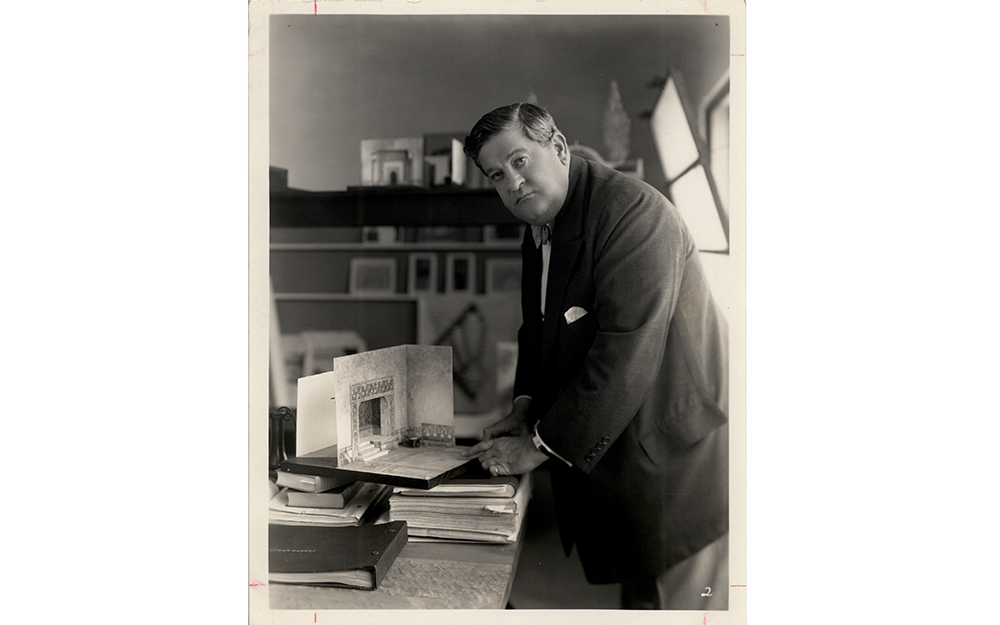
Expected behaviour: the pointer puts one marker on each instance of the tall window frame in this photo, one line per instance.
(686, 158)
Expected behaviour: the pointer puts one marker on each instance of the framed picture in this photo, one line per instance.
(379, 234)
(373, 276)
(422, 276)
(503, 275)
(461, 276)
(448, 234)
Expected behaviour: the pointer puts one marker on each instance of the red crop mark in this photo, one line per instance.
(737, 585)
(314, 617)
(704, 619)
(737, 55)
(315, 8)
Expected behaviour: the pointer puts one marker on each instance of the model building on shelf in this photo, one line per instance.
(434, 160)
(392, 162)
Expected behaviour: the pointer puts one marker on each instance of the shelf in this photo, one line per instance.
(342, 297)
(435, 246)
(388, 206)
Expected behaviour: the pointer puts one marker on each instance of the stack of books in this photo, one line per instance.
(474, 509)
(324, 531)
(304, 499)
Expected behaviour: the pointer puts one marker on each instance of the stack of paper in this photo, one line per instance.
(487, 510)
(368, 503)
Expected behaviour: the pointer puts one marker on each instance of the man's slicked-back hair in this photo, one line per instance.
(534, 121)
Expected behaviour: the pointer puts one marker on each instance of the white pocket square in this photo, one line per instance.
(573, 314)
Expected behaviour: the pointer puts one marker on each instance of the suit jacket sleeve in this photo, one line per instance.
(638, 253)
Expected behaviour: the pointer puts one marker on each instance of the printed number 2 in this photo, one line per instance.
(708, 592)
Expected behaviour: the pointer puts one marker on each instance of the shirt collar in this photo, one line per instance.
(542, 234)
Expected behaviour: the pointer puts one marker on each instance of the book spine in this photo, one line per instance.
(303, 484)
(388, 547)
(317, 500)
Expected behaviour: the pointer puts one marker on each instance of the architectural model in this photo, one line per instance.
(375, 401)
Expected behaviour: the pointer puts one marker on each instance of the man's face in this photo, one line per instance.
(532, 179)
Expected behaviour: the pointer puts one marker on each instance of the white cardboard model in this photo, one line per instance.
(316, 414)
(373, 401)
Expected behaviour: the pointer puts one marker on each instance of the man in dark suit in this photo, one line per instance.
(622, 369)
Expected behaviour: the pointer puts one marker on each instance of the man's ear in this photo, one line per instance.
(561, 146)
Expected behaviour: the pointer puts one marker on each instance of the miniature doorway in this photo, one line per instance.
(370, 416)
(373, 418)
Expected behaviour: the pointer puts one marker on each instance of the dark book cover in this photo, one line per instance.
(421, 467)
(319, 463)
(351, 557)
(465, 486)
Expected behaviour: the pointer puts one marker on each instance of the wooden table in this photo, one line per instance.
(434, 575)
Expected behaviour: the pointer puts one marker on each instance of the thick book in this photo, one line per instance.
(364, 508)
(420, 467)
(335, 498)
(308, 482)
(352, 557)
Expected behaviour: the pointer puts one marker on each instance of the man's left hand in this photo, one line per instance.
(508, 455)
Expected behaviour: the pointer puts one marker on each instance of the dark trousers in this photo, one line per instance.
(701, 582)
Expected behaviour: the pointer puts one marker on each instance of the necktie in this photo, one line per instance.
(541, 234)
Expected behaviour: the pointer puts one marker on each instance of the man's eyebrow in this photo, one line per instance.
(489, 170)
(513, 152)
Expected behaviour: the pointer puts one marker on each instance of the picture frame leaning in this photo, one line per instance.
(422, 275)
(373, 276)
(461, 276)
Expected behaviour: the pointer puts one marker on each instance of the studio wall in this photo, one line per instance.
(336, 80)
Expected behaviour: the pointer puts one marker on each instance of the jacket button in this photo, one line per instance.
(605, 440)
(589, 457)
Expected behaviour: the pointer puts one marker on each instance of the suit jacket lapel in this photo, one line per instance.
(531, 283)
(567, 236)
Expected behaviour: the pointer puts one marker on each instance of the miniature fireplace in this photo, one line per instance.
(373, 417)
